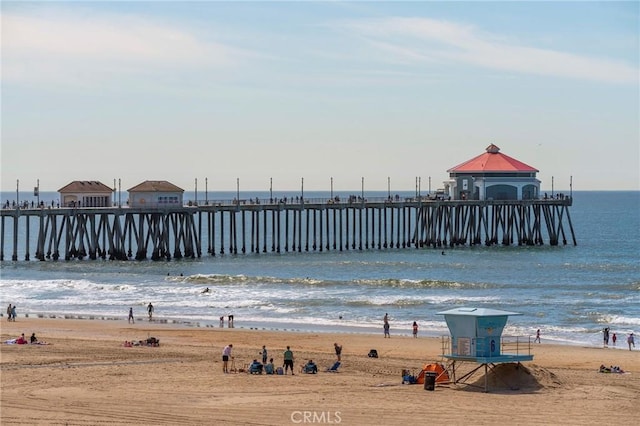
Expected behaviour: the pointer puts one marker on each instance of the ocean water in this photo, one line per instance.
(569, 292)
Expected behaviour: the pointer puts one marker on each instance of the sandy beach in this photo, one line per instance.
(87, 376)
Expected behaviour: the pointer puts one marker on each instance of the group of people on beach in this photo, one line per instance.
(606, 334)
(229, 323)
(267, 366)
(23, 340)
(150, 310)
(11, 312)
(386, 327)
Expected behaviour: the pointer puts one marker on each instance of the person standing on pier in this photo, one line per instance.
(150, 311)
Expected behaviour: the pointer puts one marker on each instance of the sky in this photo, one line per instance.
(305, 93)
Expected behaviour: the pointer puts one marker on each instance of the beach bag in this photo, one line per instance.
(373, 353)
(279, 371)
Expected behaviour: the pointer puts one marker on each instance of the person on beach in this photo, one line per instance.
(614, 338)
(631, 341)
(150, 311)
(131, 320)
(264, 354)
(268, 367)
(226, 354)
(288, 360)
(13, 313)
(605, 336)
(386, 330)
(338, 349)
(415, 330)
(33, 339)
(230, 321)
(9, 312)
(311, 367)
(222, 321)
(537, 339)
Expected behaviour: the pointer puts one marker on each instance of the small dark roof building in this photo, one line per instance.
(86, 193)
(492, 176)
(155, 193)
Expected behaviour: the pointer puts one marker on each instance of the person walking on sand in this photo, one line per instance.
(9, 312)
(226, 354)
(131, 320)
(415, 330)
(288, 360)
(537, 339)
(150, 311)
(605, 336)
(338, 349)
(386, 330)
(13, 313)
(631, 341)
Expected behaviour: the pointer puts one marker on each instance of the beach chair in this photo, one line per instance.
(334, 367)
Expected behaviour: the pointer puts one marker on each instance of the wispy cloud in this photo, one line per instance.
(63, 47)
(420, 40)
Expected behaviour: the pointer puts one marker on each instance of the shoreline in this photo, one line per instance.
(267, 326)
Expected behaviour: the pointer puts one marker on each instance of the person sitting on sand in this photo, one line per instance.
(255, 367)
(268, 368)
(34, 339)
(311, 367)
(21, 340)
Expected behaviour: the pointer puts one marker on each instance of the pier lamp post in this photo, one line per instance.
(429, 185)
(362, 189)
(332, 188)
(416, 186)
(237, 191)
(551, 186)
(570, 186)
(206, 191)
(119, 193)
(419, 186)
(302, 191)
(114, 192)
(196, 201)
(271, 190)
(37, 191)
(17, 193)
(388, 187)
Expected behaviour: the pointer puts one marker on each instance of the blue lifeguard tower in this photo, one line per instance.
(476, 336)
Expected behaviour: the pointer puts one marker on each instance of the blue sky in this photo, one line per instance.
(288, 90)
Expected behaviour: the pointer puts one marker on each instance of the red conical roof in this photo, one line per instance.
(492, 161)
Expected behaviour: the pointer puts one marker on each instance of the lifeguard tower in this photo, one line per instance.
(476, 336)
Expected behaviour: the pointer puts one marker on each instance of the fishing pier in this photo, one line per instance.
(260, 226)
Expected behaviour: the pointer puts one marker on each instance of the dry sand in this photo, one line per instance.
(87, 377)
